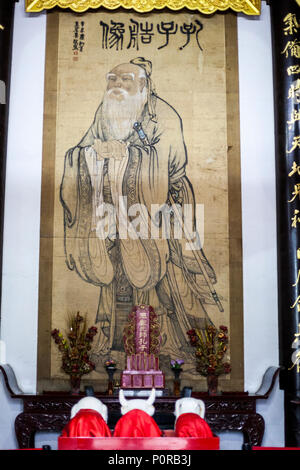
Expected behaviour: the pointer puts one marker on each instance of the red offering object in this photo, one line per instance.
(170, 442)
(86, 423)
(142, 343)
(192, 425)
(137, 423)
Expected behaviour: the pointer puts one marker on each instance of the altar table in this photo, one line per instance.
(228, 411)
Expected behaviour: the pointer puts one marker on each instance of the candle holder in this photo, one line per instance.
(176, 382)
(110, 372)
(75, 384)
(212, 384)
(176, 369)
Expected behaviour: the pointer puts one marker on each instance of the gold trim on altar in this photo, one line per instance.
(249, 7)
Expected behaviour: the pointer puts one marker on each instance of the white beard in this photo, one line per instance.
(119, 116)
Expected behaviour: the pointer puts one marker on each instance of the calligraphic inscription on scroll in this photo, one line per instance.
(142, 331)
(137, 208)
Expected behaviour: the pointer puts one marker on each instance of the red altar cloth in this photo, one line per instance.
(192, 425)
(139, 443)
(86, 423)
(137, 423)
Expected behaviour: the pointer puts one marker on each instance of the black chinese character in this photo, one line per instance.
(75, 45)
(146, 33)
(167, 29)
(134, 33)
(198, 31)
(141, 31)
(112, 36)
(190, 29)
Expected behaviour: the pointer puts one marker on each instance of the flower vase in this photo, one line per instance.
(110, 371)
(176, 383)
(75, 384)
(212, 384)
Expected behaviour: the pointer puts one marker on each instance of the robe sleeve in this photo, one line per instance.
(70, 181)
(146, 181)
(85, 253)
(163, 162)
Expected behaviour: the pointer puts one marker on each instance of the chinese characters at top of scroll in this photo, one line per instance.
(115, 36)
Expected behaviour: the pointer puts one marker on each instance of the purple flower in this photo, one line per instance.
(177, 363)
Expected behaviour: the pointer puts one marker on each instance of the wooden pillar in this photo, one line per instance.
(6, 32)
(285, 22)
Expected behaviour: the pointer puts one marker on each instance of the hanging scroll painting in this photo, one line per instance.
(141, 183)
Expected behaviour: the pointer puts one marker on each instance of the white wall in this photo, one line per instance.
(22, 210)
(259, 215)
(22, 213)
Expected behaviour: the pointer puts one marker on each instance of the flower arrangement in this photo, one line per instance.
(75, 349)
(211, 346)
(110, 364)
(176, 364)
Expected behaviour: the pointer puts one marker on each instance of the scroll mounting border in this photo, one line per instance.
(249, 7)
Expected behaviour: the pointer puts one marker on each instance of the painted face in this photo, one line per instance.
(124, 78)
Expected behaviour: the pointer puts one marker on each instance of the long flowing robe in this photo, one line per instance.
(152, 174)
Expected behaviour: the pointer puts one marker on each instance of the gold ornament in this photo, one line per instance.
(249, 7)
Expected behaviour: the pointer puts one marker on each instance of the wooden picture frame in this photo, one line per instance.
(47, 277)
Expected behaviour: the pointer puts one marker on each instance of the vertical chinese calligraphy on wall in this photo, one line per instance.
(286, 56)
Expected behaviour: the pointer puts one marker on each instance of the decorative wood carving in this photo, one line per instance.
(223, 413)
